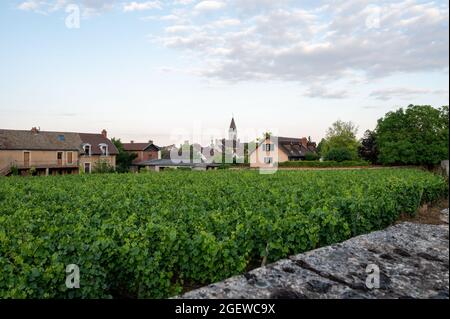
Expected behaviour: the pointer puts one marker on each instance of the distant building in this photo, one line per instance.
(144, 151)
(281, 149)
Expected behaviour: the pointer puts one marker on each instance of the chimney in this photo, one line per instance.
(304, 141)
(34, 131)
(132, 142)
(150, 142)
(105, 133)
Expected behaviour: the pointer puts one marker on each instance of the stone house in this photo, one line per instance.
(50, 153)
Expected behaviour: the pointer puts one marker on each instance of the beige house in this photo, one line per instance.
(275, 150)
(50, 153)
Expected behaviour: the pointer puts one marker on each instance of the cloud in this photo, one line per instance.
(209, 6)
(88, 7)
(183, 2)
(141, 6)
(404, 93)
(31, 5)
(317, 91)
(317, 43)
(180, 29)
(223, 23)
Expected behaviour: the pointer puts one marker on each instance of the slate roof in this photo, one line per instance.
(53, 141)
(26, 140)
(95, 140)
(295, 147)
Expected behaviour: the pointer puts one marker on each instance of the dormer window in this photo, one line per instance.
(61, 138)
(104, 149)
(87, 149)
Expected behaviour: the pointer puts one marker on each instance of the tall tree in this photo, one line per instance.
(368, 150)
(123, 159)
(418, 135)
(341, 136)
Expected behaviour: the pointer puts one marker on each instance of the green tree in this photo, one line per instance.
(320, 146)
(418, 135)
(124, 159)
(368, 150)
(341, 135)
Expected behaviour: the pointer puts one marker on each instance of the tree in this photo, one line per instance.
(124, 159)
(341, 135)
(418, 135)
(368, 150)
(320, 146)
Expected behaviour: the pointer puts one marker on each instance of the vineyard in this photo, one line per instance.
(153, 235)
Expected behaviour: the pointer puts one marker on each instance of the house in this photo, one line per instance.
(51, 153)
(144, 151)
(280, 149)
(96, 148)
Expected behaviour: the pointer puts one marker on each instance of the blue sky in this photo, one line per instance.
(178, 69)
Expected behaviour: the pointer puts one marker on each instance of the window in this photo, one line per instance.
(69, 158)
(61, 138)
(60, 156)
(87, 149)
(104, 149)
(268, 160)
(270, 147)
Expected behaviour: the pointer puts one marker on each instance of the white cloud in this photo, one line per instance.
(287, 41)
(30, 5)
(319, 91)
(169, 17)
(223, 23)
(183, 2)
(180, 29)
(209, 6)
(88, 7)
(141, 6)
(404, 93)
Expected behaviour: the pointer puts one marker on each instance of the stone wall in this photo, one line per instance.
(413, 260)
(444, 167)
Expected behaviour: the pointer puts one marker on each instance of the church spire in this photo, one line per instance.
(233, 124)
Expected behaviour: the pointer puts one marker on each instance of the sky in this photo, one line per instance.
(177, 70)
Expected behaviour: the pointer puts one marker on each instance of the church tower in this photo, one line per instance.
(232, 132)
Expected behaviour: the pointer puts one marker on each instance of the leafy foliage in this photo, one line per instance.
(368, 150)
(103, 167)
(310, 156)
(418, 135)
(323, 164)
(339, 154)
(123, 159)
(147, 236)
(341, 135)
